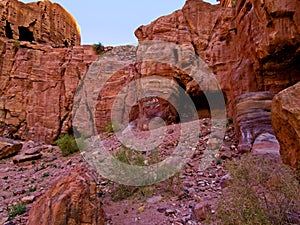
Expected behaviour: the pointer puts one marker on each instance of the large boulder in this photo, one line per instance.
(72, 200)
(9, 147)
(285, 114)
(253, 117)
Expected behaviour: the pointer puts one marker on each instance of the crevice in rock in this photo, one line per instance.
(8, 30)
(248, 7)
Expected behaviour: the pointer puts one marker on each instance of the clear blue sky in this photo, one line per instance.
(113, 22)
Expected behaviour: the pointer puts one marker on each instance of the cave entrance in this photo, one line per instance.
(148, 108)
(199, 100)
(25, 34)
(8, 30)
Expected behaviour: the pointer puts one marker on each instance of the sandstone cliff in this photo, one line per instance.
(251, 47)
(41, 21)
(40, 67)
(37, 87)
(286, 122)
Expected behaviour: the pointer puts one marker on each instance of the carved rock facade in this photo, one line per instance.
(42, 21)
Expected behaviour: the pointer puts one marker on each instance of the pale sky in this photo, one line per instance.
(113, 22)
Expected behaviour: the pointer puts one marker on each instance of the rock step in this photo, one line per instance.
(9, 147)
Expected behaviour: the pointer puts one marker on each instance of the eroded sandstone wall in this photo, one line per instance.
(42, 21)
(37, 88)
(251, 47)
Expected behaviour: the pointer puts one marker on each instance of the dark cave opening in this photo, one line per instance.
(8, 31)
(25, 34)
(183, 110)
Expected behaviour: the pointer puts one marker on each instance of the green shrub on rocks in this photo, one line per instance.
(261, 191)
(67, 144)
(98, 48)
(15, 210)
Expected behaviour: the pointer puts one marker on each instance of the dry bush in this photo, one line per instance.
(262, 191)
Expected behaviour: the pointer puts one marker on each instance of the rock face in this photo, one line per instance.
(71, 200)
(286, 122)
(252, 47)
(137, 91)
(9, 147)
(253, 117)
(37, 88)
(42, 21)
(38, 81)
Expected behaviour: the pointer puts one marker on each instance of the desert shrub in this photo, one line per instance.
(111, 127)
(15, 210)
(121, 192)
(261, 191)
(16, 44)
(98, 48)
(67, 144)
(229, 121)
(234, 3)
(129, 156)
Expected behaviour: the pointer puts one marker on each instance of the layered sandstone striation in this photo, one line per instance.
(42, 21)
(252, 47)
(41, 65)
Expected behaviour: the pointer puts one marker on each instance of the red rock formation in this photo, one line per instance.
(285, 116)
(71, 200)
(42, 21)
(37, 88)
(9, 147)
(228, 3)
(252, 47)
(253, 117)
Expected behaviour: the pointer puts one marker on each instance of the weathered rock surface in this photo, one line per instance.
(72, 200)
(266, 144)
(42, 21)
(138, 85)
(285, 113)
(37, 88)
(252, 47)
(253, 117)
(202, 210)
(25, 158)
(9, 147)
